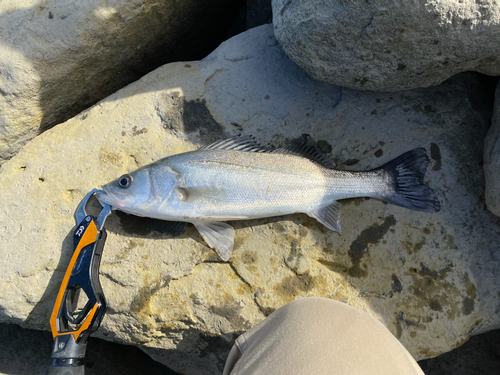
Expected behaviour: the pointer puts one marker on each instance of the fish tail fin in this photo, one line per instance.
(408, 189)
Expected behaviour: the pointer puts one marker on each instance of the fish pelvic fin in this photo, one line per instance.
(407, 175)
(329, 216)
(218, 235)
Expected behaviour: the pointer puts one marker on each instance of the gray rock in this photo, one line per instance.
(492, 159)
(389, 45)
(59, 57)
(430, 278)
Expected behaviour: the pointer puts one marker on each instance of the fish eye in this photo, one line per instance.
(125, 181)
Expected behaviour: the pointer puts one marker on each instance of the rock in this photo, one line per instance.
(430, 278)
(59, 57)
(389, 45)
(492, 160)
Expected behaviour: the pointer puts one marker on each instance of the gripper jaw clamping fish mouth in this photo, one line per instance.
(76, 315)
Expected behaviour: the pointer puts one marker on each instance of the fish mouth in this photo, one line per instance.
(104, 197)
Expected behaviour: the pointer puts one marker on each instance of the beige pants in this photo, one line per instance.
(319, 336)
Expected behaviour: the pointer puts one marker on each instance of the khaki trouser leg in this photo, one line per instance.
(319, 336)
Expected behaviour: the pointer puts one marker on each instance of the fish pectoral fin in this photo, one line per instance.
(218, 235)
(329, 216)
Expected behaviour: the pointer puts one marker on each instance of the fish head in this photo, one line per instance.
(140, 192)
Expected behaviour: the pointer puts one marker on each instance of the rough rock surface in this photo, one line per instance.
(58, 57)
(430, 278)
(389, 45)
(492, 159)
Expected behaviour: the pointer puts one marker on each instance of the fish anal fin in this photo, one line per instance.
(218, 235)
(329, 216)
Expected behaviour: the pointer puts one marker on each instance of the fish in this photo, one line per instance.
(237, 179)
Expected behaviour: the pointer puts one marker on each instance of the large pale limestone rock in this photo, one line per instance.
(432, 279)
(389, 45)
(492, 159)
(58, 57)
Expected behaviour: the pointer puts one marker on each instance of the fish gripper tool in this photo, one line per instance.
(80, 304)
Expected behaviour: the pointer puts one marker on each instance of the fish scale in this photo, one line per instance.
(251, 184)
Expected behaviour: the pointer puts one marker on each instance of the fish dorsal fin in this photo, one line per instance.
(329, 216)
(236, 143)
(304, 146)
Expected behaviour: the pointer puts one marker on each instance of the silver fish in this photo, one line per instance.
(236, 179)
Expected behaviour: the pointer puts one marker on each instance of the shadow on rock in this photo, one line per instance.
(40, 314)
(27, 352)
(209, 358)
